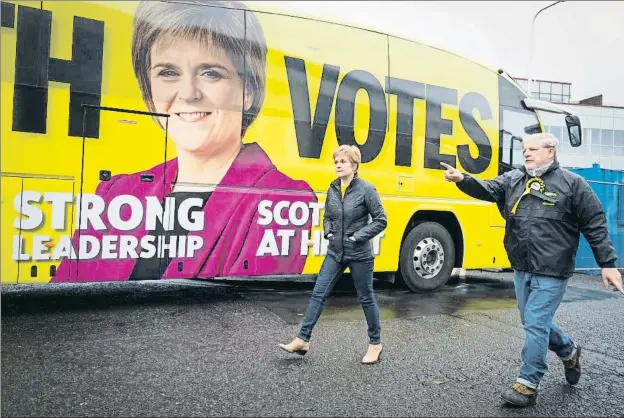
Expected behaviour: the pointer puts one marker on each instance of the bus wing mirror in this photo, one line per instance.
(573, 124)
(533, 129)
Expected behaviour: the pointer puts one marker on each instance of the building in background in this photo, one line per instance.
(549, 91)
(603, 127)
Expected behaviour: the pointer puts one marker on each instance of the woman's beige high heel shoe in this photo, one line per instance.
(297, 346)
(373, 354)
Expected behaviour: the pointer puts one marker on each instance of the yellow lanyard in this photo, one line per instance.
(534, 183)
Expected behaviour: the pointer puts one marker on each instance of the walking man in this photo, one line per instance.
(546, 207)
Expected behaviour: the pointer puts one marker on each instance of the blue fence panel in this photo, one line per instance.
(609, 187)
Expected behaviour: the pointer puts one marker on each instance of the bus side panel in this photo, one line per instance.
(122, 156)
(21, 85)
(324, 90)
(497, 249)
(32, 127)
(10, 191)
(445, 109)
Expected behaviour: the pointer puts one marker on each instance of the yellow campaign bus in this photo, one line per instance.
(146, 140)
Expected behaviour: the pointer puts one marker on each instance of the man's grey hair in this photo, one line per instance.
(545, 139)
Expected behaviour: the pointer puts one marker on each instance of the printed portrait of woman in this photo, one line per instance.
(203, 63)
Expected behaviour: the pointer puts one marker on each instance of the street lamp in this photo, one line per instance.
(531, 50)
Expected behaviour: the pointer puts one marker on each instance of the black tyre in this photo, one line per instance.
(427, 257)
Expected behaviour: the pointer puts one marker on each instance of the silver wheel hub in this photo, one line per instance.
(428, 258)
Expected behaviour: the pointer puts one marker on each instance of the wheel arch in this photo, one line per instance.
(449, 221)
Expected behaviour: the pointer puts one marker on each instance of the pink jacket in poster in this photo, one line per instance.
(231, 234)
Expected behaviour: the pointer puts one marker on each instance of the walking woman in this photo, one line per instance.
(349, 203)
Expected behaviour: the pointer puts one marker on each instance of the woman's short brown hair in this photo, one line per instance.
(226, 24)
(352, 152)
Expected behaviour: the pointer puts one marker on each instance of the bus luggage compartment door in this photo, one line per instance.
(121, 169)
(45, 231)
(10, 191)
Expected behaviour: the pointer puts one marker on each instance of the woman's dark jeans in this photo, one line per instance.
(331, 270)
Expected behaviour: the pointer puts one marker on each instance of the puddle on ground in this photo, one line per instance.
(343, 304)
(287, 300)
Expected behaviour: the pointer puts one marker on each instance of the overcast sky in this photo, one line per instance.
(580, 42)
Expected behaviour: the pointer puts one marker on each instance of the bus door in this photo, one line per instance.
(121, 169)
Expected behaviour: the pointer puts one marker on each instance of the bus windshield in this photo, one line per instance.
(515, 123)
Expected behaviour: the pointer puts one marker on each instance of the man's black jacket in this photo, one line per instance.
(542, 237)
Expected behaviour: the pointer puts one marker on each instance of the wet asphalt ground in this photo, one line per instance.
(191, 349)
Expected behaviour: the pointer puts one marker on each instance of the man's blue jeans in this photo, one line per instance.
(331, 270)
(538, 298)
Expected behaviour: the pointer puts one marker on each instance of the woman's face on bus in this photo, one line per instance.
(199, 87)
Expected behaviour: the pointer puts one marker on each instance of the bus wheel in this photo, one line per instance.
(427, 257)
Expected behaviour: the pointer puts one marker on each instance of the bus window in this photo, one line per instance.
(515, 123)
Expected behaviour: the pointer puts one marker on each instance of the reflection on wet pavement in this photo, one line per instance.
(473, 295)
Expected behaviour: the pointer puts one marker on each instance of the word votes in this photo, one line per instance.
(310, 131)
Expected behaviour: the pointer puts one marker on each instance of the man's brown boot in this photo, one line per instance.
(520, 395)
(572, 368)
